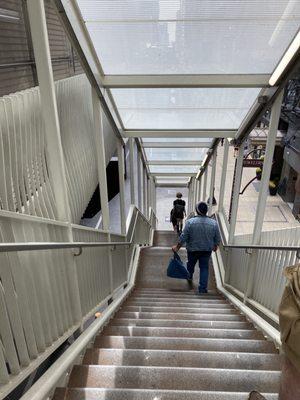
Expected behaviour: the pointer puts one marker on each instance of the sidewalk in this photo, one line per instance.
(278, 214)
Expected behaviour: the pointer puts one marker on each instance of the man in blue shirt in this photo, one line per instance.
(201, 236)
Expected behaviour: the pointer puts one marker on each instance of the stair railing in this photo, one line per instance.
(51, 288)
(260, 287)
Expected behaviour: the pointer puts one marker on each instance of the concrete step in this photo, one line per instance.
(191, 359)
(181, 323)
(177, 299)
(182, 332)
(146, 394)
(181, 316)
(171, 292)
(164, 238)
(177, 309)
(185, 304)
(173, 378)
(196, 344)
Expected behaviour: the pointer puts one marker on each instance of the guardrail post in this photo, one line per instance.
(263, 192)
(212, 182)
(122, 187)
(236, 193)
(223, 176)
(131, 170)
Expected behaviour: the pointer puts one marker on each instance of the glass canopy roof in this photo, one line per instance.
(173, 169)
(170, 154)
(187, 108)
(190, 36)
(204, 41)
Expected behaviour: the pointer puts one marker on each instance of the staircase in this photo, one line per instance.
(168, 343)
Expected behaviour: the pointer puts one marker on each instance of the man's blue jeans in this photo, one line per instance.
(203, 258)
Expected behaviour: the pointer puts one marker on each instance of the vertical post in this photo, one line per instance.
(200, 189)
(101, 164)
(267, 167)
(144, 192)
(236, 192)
(101, 160)
(212, 182)
(148, 195)
(205, 184)
(263, 192)
(122, 187)
(131, 168)
(154, 195)
(195, 190)
(139, 181)
(224, 174)
(192, 195)
(55, 157)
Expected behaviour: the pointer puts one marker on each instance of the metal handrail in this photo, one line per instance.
(261, 247)
(252, 246)
(28, 246)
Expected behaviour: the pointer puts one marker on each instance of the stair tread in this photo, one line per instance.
(176, 309)
(176, 299)
(148, 394)
(181, 316)
(187, 304)
(173, 378)
(181, 323)
(181, 358)
(240, 345)
(181, 332)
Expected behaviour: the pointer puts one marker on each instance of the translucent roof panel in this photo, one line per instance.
(173, 168)
(184, 108)
(190, 36)
(169, 154)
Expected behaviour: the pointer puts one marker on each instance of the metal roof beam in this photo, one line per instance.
(197, 133)
(184, 81)
(173, 162)
(175, 145)
(171, 175)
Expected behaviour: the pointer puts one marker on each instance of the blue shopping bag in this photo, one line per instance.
(176, 268)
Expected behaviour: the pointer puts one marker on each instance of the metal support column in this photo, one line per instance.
(154, 196)
(131, 167)
(139, 180)
(205, 184)
(55, 157)
(122, 187)
(54, 150)
(192, 198)
(263, 192)
(224, 174)
(101, 161)
(196, 186)
(144, 191)
(148, 195)
(236, 192)
(212, 182)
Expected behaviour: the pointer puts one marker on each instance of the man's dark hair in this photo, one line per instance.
(179, 195)
(201, 208)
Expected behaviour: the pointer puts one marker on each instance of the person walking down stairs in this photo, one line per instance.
(201, 236)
